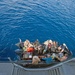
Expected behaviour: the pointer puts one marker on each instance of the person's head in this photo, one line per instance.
(48, 55)
(50, 41)
(64, 44)
(59, 48)
(66, 54)
(35, 59)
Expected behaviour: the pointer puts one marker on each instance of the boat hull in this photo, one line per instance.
(64, 68)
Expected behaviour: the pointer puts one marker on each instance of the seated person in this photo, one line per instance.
(35, 60)
(62, 58)
(47, 59)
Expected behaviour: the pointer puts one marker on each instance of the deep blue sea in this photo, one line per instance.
(36, 19)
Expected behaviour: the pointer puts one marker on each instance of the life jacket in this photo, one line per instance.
(30, 49)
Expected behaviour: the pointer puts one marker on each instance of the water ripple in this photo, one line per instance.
(32, 19)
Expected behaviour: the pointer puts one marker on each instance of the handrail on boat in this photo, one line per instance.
(47, 68)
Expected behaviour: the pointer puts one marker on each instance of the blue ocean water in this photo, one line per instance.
(36, 19)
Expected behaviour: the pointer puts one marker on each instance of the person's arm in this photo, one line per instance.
(62, 50)
(62, 59)
(58, 58)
